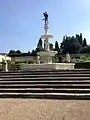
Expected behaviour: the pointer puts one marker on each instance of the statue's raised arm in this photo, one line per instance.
(45, 17)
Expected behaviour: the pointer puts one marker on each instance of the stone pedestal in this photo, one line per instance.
(45, 66)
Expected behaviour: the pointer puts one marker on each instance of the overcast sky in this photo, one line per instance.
(21, 22)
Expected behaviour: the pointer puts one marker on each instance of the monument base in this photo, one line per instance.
(52, 66)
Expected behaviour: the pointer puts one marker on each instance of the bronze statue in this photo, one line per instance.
(45, 17)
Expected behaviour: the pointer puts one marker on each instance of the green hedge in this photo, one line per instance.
(84, 65)
(30, 62)
(14, 66)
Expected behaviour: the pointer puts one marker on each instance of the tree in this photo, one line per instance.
(33, 53)
(51, 46)
(56, 46)
(80, 39)
(84, 43)
(85, 49)
(39, 43)
(18, 53)
(11, 53)
(75, 48)
(39, 46)
(70, 45)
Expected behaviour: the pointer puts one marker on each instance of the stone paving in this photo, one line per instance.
(32, 109)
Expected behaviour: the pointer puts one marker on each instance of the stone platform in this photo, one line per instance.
(55, 66)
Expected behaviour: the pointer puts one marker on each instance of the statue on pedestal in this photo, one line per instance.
(38, 59)
(68, 57)
(45, 17)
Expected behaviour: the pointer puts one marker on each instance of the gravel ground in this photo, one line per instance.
(31, 109)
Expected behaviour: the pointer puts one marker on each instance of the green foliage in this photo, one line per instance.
(14, 66)
(70, 45)
(86, 59)
(84, 43)
(18, 52)
(39, 43)
(13, 53)
(24, 61)
(51, 46)
(17, 62)
(34, 53)
(57, 47)
(30, 62)
(80, 38)
(85, 49)
(58, 58)
(74, 45)
(39, 46)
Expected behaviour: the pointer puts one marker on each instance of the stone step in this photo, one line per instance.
(46, 72)
(73, 94)
(49, 75)
(45, 85)
(46, 82)
(43, 82)
(44, 90)
(46, 95)
(49, 78)
(51, 70)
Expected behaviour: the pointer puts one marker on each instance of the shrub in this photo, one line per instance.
(30, 61)
(84, 65)
(24, 61)
(14, 66)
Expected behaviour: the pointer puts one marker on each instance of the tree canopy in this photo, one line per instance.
(39, 46)
(70, 44)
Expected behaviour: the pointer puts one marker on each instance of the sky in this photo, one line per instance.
(21, 23)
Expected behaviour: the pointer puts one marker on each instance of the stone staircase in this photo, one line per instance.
(51, 84)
